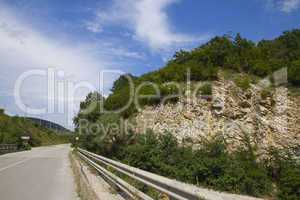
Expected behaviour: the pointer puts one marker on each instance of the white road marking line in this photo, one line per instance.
(14, 164)
(25, 160)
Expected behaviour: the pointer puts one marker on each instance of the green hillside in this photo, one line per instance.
(210, 165)
(12, 128)
(230, 54)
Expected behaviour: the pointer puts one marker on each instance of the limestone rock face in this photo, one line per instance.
(266, 119)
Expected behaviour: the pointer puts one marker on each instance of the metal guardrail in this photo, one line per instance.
(7, 148)
(174, 189)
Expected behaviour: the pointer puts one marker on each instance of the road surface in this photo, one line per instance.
(42, 173)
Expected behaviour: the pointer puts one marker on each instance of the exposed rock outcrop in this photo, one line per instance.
(266, 116)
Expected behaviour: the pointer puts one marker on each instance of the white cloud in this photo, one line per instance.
(24, 47)
(149, 21)
(114, 49)
(93, 26)
(288, 6)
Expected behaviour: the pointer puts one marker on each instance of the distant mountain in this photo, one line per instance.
(50, 125)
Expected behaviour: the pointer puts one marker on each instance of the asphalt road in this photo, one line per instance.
(43, 173)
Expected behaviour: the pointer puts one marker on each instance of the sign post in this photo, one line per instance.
(25, 140)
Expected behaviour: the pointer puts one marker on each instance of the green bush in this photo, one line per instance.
(294, 73)
(285, 172)
(170, 91)
(289, 182)
(206, 89)
(243, 82)
(210, 166)
(25, 147)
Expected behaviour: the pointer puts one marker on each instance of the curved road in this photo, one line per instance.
(42, 173)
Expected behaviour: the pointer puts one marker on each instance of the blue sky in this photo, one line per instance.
(83, 37)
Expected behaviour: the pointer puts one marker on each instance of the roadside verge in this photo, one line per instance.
(90, 186)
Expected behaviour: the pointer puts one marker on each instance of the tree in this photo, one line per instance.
(90, 109)
(122, 81)
(181, 56)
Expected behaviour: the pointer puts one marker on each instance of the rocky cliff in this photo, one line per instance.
(263, 115)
